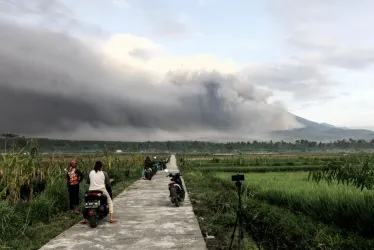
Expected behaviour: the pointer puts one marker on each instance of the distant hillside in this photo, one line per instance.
(322, 132)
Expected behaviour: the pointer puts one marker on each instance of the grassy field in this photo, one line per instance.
(31, 224)
(301, 201)
(284, 206)
(344, 206)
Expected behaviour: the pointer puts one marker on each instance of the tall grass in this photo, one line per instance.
(272, 227)
(356, 170)
(20, 219)
(285, 210)
(31, 168)
(335, 204)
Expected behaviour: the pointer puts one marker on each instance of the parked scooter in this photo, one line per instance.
(163, 164)
(154, 169)
(159, 166)
(177, 193)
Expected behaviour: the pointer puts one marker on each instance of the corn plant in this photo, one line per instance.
(28, 167)
(357, 170)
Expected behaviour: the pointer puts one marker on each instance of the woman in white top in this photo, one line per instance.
(97, 180)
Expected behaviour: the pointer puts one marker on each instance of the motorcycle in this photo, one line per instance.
(159, 166)
(96, 207)
(163, 164)
(154, 168)
(148, 173)
(177, 193)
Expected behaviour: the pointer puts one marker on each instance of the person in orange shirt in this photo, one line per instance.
(73, 178)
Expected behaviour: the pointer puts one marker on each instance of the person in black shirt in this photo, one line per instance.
(73, 178)
(148, 163)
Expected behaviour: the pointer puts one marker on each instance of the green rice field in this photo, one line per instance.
(289, 203)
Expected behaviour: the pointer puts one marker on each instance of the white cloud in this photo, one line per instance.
(120, 47)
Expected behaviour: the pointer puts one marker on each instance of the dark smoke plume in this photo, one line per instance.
(54, 84)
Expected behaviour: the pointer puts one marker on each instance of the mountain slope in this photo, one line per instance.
(322, 132)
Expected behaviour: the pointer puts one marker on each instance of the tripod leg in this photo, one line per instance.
(241, 230)
(233, 233)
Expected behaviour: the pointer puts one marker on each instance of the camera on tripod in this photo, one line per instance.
(237, 177)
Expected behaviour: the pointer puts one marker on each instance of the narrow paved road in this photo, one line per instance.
(146, 220)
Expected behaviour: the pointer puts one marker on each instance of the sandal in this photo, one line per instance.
(113, 221)
(84, 221)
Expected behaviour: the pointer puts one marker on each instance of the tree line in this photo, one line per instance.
(10, 142)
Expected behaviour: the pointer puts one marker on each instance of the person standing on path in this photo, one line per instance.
(73, 179)
(97, 180)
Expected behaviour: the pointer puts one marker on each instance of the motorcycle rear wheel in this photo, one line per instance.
(93, 221)
(183, 195)
(148, 176)
(174, 197)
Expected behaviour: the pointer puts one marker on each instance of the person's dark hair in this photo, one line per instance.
(98, 166)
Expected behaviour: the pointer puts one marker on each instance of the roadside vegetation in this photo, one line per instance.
(34, 205)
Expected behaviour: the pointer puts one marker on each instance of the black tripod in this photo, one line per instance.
(239, 215)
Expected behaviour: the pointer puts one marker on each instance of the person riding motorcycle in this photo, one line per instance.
(98, 180)
(147, 164)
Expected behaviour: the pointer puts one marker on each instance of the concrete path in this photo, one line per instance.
(146, 220)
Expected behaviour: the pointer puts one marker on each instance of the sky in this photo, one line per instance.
(199, 69)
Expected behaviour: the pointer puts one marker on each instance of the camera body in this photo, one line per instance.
(237, 177)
